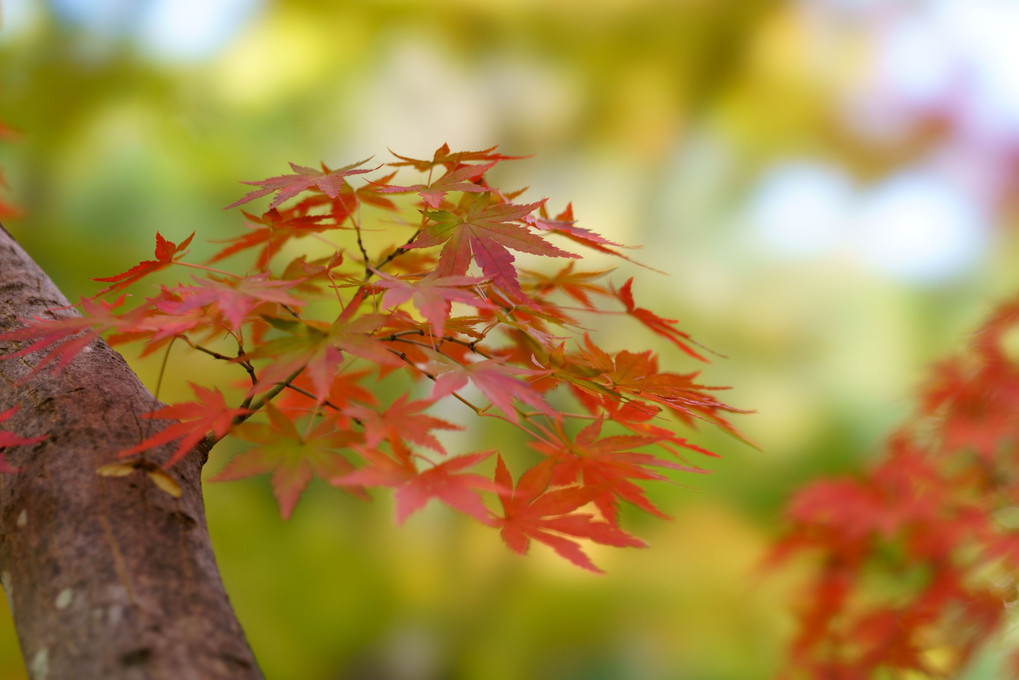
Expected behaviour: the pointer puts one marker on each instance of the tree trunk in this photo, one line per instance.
(107, 577)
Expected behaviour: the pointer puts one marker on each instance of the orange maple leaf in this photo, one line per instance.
(445, 481)
(532, 511)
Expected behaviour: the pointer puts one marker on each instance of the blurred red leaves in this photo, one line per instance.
(916, 559)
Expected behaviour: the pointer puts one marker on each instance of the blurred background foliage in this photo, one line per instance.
(829, 183)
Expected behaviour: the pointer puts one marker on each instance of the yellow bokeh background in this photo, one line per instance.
(659, 121)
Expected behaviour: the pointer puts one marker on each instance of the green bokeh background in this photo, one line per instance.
(655, 119)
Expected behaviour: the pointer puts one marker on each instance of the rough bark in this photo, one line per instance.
(107, 577)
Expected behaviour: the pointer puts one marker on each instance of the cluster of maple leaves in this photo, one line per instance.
(916, 561)
(322, 311)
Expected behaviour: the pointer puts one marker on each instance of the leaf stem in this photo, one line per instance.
(356, 221)
(400, 336)
(398, 251)
(208, 269)
(306, 393)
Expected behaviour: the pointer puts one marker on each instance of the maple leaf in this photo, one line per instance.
(414, 488)
(319, 348)
(209, 414)
(345, 204)
(160, 320)
(487, 233)
(577, 284)
(166, 253)
(345, 388)
(232, 299)
(303, 178)
(401, 420)
(305, 272)
(61, 340)
(496, 381)
(305, 347)
(464, 178)
(608, 462)
(9, 439)
(416, 262)
(635, 374)
(293, 458)
(565, 225)
(531, 318)
(663, 327)
(533, 512)
(451, 159)
(432, 294)
(271, 231)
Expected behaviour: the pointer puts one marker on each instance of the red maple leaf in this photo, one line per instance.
(485, 232)
(663, 327)
(635, 375)
(496, 381)
(465, 178)
(402, 420)
(293, 458)
(565, 225)
(577, 284)
(271, 231)
(61, 340)
(160, 320)
(608, 462)
(432, 294)
(414, 488)
(345, 388)
(232, 299)
(318, 349)
(9, 439)
(532, 511)
(348, 200)
(195, 419)
(167, 252)
(303, 178)
(451, 159)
